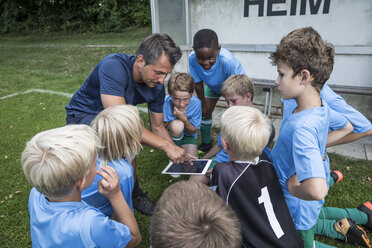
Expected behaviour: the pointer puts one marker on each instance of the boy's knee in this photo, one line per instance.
(176, 128)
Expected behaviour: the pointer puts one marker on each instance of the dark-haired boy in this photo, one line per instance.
(211, 64)
(305, 62)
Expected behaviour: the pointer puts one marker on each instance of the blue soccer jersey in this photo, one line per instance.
(336, 121)
(299, 149)
(193, 113)
(360, 123)
(225, 66)
(72, 224)
(125, 172)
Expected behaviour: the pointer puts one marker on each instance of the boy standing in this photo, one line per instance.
(249, 184)
(304, 62)
(60, 163)
(211, 64)
(182, 112)
(190, 215)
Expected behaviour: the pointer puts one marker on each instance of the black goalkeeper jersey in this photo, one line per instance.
(253, 191)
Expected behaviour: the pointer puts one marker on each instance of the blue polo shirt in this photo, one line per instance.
(114, 76)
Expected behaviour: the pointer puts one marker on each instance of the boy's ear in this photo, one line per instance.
(249, 95)
(219, 49)
(225, 146)
(305, 77)
(80, 184)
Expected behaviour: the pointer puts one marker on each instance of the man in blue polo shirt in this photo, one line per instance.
(127, 79)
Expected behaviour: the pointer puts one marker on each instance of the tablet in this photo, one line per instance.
(198, 167)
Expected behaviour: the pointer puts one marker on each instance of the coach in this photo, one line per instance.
(127, 79)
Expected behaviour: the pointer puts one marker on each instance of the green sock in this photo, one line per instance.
(331, 181)
(331, 213)
(205, 130)
(177, 140)
(326, 227)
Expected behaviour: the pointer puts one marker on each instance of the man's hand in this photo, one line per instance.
(176, 154)
(180, 115)
(109, 186)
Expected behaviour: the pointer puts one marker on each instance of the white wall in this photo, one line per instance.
(348, 26)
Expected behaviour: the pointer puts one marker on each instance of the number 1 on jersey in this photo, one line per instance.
(265, 199)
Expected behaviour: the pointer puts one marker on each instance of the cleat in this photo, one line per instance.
(143, 203)
(337, 176)
(205, 147)
(353, 234)
(367, 208)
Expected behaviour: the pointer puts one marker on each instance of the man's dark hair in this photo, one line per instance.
(205, 38)
(155, 45)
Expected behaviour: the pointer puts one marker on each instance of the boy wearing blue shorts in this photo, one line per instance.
(182, 112)
(120, 129)
(248, 182)
(304, 62)
(211, 64)
(60, 163)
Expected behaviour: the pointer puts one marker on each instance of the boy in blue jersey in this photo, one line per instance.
(119, 128)
(182, 112)
(248, 181)
(211, 64)
(304, 62)
(60, 163)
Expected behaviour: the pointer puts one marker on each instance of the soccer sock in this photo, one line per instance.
(326, 227)
(205, 130)
(331, 181)
(177, 140)
(331, 213)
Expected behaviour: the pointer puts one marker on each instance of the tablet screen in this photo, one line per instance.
(197, 167)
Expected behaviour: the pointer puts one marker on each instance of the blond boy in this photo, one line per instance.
(60, 163)
(120, 129)
(248, 182)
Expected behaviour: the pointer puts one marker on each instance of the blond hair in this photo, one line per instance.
(190, 215)
(237, 85)
(55, 160)
(246, 131)
(180, 82)
(120, 129)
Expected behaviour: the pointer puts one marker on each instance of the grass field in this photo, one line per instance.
(59, 64)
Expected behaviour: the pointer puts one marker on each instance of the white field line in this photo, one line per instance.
(64, 94)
